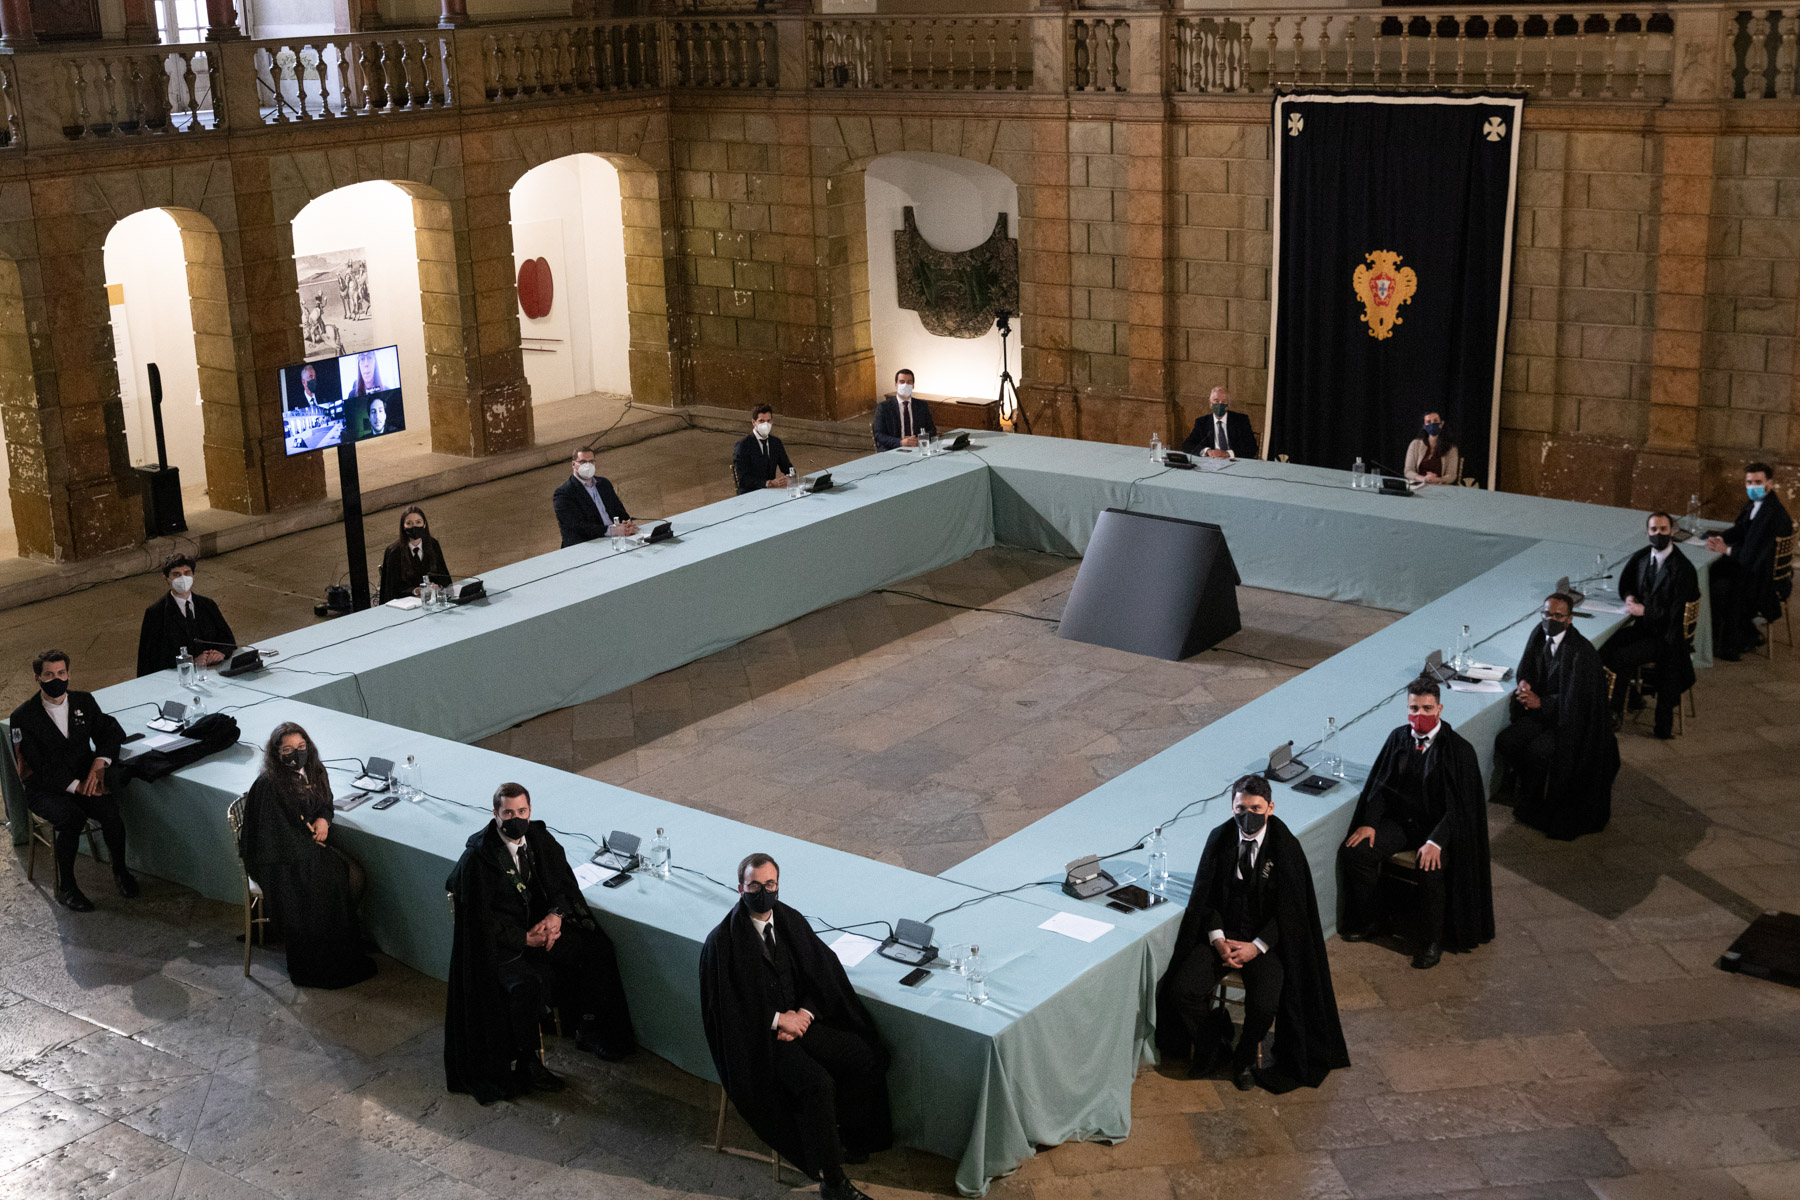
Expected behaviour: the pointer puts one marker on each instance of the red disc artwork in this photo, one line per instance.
(536, 288)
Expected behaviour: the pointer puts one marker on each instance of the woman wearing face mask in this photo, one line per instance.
(412, 559)
(308, 885)
(1433, 457)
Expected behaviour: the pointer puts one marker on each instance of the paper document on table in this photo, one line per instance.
(852, 948)
(1082, 929)
(163, 741)
(1484, 685)
(404, 602)
(1485, 671)
(1603, 606)
(588, 874)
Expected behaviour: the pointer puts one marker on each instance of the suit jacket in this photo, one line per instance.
(1752, 545)
(887, 421)
(1665, 595)
(401, 572)
(1239, 435)
(164, 633)
(752, 467)
(53, 761)
(576, 515)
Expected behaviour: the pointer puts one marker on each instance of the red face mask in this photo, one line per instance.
(1421, 723)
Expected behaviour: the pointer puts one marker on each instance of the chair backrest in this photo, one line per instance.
(1470, 481)
(17, 738)
(736, 483)
(1281, 458)
(234, 817)
(1690, 621)
(1611, 681)
(1784, 558)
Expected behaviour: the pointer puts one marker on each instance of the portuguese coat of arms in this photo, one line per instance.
(1383, 285)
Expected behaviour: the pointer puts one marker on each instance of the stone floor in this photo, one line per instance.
(918, 733)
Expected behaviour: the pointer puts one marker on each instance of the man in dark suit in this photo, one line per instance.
(900, 418)
(1657, 583)
(1224, 434)
(67, 748)
(1743, 579)
(182, 617)
(760, 460)
(586, 505)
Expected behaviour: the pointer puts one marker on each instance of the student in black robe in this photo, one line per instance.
(182, 617)
(412, 558)
(1252, 910)
(1657, 584)
(1424, 794)
(1560, 745)
(759, 460)
(525, 942)
(310, 887)
(793, 1045)
(1743, 579)
(68, 750)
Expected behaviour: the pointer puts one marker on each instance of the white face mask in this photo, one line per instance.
(763, 428)
(183, 584)
(903, 390)
(584, 471)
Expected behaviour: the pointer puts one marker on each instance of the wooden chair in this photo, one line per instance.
(718, 1142)
(42, 833)
(256, 913)
(1230, 982)
(1690, 621)
(1784, 573)
(1281, 458)
(1469, 481)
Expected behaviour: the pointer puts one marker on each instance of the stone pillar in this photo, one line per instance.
(1046, 392)
(140, 23)
(1146, 257)
(16, 30)
(454, 14)
(222, 21)
(368, 16)
(480, 402)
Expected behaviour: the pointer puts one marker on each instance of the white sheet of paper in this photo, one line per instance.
(1486, 671)
(404, 602)
(162, 741)
(852, 948)
(1603, 606)
(1486, 685)
(587, 874)
(1082, 929)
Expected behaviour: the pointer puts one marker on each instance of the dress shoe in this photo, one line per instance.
(128, 884)
(540, 1077)
(1428, 958)
(72, 899)
(588, 1040)
(843, 1189)
(1243, 1080)
(1365, 934)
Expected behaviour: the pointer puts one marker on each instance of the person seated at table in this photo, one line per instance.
(759, 460)
(310, 885)
(66, 749)
(1252, 911)
(586, 505)
(1657, 584)
(1743, 577)
(900, 417)
(412, 558)
(1424, 794)
(794, 1047)
(182, 617)
(1224, 434)
(524, 941)
(1433, 457)
(1560, 747)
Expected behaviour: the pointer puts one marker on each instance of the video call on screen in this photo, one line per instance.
(359, 393)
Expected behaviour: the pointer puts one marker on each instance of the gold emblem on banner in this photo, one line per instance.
(1383, 285)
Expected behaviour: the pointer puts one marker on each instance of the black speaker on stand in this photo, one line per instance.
(163, 511)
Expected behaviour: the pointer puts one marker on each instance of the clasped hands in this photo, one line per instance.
(1633, 607)
(543, 935)
(95, 783)
(1524, 695)
(1431, 855)
(1235, 954)
(791, 1025)
(780, 481)
(207, 658)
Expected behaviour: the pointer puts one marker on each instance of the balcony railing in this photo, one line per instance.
(984, 54)
(116, 93)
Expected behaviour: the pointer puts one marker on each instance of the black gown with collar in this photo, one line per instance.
(306, 885)
(1665, 595)
(401, 572)
(1578, 796)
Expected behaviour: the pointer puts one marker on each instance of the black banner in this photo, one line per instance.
(1393, 251)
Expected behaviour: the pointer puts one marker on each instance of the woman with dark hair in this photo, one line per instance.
(309, 887)
(1433, 457)
(368, 375)
(412, 559)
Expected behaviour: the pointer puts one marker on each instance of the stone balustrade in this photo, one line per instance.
(115, 92)
(920, 53)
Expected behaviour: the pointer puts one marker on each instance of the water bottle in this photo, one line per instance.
(1156, 450)
(1358, 475)
(1462, 662)
(1330, 761)
(413, 785)
(1693, 515)
(658, 855)
(1156, 850)
(196, 710)
(796, 485)
(184, 669)
(975, 977)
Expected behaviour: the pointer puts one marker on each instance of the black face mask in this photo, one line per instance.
(294, 759)
(1431, 429)
(760, 903)
(1553, 627)
(1219, 410)
(415, 533)
(514, 828)
(54, 688)
(1250, 823)
(1660, 541)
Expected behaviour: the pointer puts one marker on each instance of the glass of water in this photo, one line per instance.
(955, 956)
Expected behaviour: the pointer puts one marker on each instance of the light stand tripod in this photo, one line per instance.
(1009, 391)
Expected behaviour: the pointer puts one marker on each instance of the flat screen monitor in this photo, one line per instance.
(353, 397)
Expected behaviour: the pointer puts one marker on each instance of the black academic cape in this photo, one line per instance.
(306, 884)
(737, 1004)
(1752, 545)
(1240, 438)
(401, 572)
(54, 761)
(1665, 594)
(164, 633)
(1578, 798)
(491, 923)
(753, 466)
(1456, 806)
(888, 425)
(576, 515)
(1309, 1041)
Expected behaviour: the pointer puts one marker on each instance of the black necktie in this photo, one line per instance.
(1246, 856)
(768, 940)
(1420, 744)
(525, 864)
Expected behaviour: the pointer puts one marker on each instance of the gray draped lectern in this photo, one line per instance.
(1153, 585)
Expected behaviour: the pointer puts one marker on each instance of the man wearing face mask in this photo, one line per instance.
(1252, 910)
(794, 1047)
(1743, 579)
(412, 559)
(760, 460)
(1560, 746)
(1424, 794)
(586, 505)
(1657, 583)
(1223, 434)
(901, 417)
(182, 617)
(66, 750)
(525, 941)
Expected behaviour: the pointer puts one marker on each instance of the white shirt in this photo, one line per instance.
(905, 415)
(606, 521)
(1755, 507)
(513, 848)
(1256, 844)
(1659, 557)
(1428, 739)
(185, 604)
(59, 716)
(765, 929)
(1221, 439)
(1556, 642)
